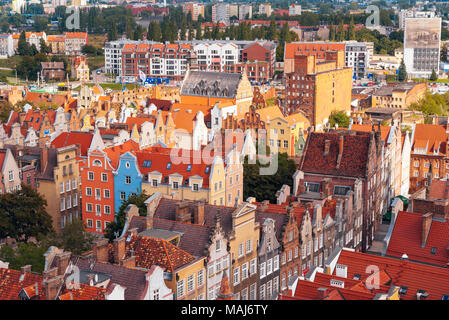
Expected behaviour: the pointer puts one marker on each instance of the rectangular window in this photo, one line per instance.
(175, 185)
(90, 176)
(289, 255)
(276, 263)
(107, 194)
(89, 207)
(11, 175)
(252, 266)
(262, 270)
(122, 195)
(252, 292)
(248, 246)
(269, 266)
(74, 186)
(180, 289)
(128, 179)
(97, 194)
(262, 292)
(241, 250)
(107, 209)
(88, 192)
(236, 276)
(154, 183)
(89, 223)
(62, 206)
(98, 209)
(200, 278)
(61, 187)
(69, 202)
(195, 187)
(296, 252)
(104, 177)
(75, 199)
(98, 225)
(244, 271)
(67, 185)
(190, 283)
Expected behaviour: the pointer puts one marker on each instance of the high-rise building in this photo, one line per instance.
(319, 87)
(196, 9)
(294, 10)
(220, 12)
(422, 46)
(411, 13)
(244, 10)
(265, 8)
(357, 56)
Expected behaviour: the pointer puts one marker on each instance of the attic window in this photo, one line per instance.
(434, 250)
(445, 297)
(312, 187)
(146, 163)
(403, 290)
(357, 277)
(169, 166)
(186, 182)
(341, 190)
(37, 120)
(207, 169)
(189, 168)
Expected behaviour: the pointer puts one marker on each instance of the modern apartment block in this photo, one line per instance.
(196, 9)
(113, 55)
(220, 12)
(154, 59)
(245, 9)
(412, 13)
(422, 46)
(357, 56)
(294, 10)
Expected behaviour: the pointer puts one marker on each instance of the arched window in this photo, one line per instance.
(97, 163)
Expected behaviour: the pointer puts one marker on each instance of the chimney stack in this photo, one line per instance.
(129, 262)
(119, 249)
(100, 250)
(322, 293)
(62, 262)
(52, 287)
(183, 213)
(26, 269)
(327, 145)
(426, 223)
(198, 213)
(340, 149)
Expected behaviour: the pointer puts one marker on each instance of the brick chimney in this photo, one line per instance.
(198, 213)
(129, 262)
(183, 213)
(340, 149)
(327, 145)
(52, 287)
(62, 262)
(43, 159)
(100, 250)
(426, 223)
(148, 222)
(119, 249)
(322, 293)
(26, 269)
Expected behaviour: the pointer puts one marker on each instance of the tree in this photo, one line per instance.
(112, 35)
(351, 30)
(433, 76)
(183, 29)
(199, 32)
(23, 47)
(26, 253)
(341, 31)
(23, 214)
(272, 31)
(331, 33)
(5, 110)
(117, 226)
(264, 187)
(129, 30)
(402, 73)
(340, 118)
(45, 49)
(75, 239)
(89, 49)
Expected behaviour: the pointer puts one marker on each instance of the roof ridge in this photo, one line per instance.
(186, 223)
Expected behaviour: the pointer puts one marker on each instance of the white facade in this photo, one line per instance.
(245, 9)
(357, 56)
(404, 14)
(113, 55)
(157, 289)
(223, 53)
(17, 5)
(422, 56)
(294, 10)
(220, 12)
(6, 46)
(265, 8)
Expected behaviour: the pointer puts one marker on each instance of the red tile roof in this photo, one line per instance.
(11, 283)
(384, 130)
(354, 159)
(151, 251)
(439, 189)
(406, 238)
(432, 137)
(115, 152)
(434, 280)
(68, 138)
(84, 292)
(310, 48)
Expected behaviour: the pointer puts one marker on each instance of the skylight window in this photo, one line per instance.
(169, 166)
(434, 250)
(146, 163)
(445, 297)
(207, 169)
(403, 290)
(189, 168)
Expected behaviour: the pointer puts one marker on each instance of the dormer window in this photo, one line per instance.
(147, 163)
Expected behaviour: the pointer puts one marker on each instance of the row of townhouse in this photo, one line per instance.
(260, 247)
(69, 43)
(127, 58)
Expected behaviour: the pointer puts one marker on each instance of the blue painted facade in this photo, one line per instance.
(127, 179)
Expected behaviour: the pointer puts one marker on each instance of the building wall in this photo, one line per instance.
(183, 273)
(122, 187)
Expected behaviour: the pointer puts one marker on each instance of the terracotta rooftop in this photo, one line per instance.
(69, 138)
(12, 282)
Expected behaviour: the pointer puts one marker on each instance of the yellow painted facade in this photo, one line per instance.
(181, 278)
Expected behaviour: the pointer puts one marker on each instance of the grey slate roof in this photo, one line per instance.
(133, 279)
(211, 84)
